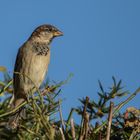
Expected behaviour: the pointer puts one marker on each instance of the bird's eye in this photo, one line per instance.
(48, 30)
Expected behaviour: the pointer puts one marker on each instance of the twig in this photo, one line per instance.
(61, 116)
(14, 110)
(62, 134)
(119, 107)
(6, 86)
(18, 107)
(109, 120)
(86, 125)
(72, 129)
(82, 130)
(30, 131)
(69, 119)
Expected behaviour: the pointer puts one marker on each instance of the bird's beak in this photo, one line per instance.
(58, 33)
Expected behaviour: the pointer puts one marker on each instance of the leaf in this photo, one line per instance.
(118, 85)
(114, 80)
(7, 77)
(94, 104)
(2, 69)
(100, 101)
(122, 94)
(101, 87)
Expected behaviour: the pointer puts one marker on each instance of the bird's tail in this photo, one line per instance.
(13, 122)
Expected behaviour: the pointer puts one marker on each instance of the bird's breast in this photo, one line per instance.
(34, 67)
(38, 66)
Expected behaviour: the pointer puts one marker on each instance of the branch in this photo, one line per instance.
(109, 120)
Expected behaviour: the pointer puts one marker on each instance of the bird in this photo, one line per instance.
(31, 65)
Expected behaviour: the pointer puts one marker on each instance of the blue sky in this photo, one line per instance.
(101, 39)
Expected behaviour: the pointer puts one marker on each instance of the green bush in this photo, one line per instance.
(100, 120)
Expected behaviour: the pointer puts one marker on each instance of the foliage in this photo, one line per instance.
(38, 122)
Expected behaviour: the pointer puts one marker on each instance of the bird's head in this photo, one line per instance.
(45, 33)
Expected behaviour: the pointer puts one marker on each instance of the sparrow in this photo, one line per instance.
(31, 65)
